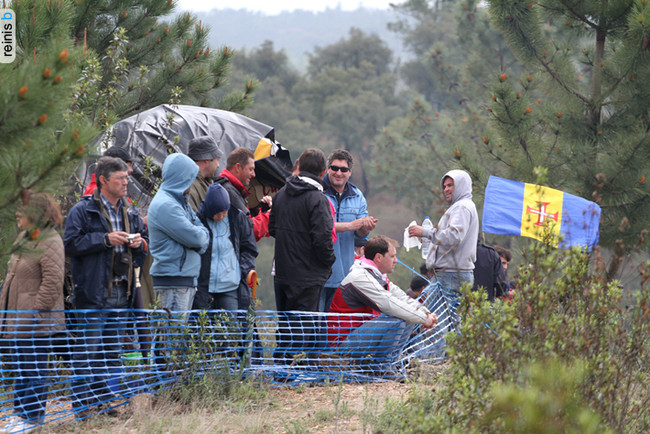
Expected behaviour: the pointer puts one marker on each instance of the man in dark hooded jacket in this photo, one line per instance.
(301, 222)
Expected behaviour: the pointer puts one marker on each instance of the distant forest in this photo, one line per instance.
(297, 32)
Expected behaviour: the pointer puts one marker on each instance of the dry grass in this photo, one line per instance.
(335, 408)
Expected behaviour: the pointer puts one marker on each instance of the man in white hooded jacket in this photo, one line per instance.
(366, 290)
(453, 247)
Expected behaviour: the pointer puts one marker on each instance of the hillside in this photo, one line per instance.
(296, 32)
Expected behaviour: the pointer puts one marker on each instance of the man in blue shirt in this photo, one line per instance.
(351, 220)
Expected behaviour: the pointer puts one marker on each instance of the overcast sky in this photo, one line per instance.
(273, 7)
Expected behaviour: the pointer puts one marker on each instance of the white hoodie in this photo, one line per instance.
(454, 238)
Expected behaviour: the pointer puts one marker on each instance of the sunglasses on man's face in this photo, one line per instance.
(342, 169)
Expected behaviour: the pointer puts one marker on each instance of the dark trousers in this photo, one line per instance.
(296, 332)
(31, 385)
(97, 350)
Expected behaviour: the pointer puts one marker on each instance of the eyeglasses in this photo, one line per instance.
(342, 169)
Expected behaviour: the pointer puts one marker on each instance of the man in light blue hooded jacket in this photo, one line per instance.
(176, 235)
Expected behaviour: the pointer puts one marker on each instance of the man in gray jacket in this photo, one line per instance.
(453, 247)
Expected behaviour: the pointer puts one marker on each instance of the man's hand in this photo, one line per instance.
(432, 320)
(119, 238)
(415, 231)
(267, 200)
(368, 223)
(136, 241)
(362, 225)
(365, 225)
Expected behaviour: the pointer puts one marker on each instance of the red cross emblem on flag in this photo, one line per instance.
(541, 213)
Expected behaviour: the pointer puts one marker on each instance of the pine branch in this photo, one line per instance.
(12, 199)
(634, 154)
(558, 79)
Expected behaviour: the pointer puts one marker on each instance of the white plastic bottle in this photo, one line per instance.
(426, 242)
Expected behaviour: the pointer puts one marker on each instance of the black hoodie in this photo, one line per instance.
(301, 223)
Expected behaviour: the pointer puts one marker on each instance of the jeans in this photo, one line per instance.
(31, 385)
(326, 297)
(383, 337)
(451, 282)
(175, 299)
(97, 350)
(225, 300)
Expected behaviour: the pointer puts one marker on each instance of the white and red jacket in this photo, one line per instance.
(366, 290)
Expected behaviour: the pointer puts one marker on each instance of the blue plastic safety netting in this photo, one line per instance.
(106, 357)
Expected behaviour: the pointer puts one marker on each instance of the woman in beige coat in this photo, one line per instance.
(31, 305)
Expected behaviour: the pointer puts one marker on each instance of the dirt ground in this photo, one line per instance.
(336, 408)
(333, 408)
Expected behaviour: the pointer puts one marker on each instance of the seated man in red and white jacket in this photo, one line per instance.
(367, 290)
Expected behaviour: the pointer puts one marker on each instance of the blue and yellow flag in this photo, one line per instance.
(528, 210)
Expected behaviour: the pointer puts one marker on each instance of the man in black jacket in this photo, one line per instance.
(235, 178)
(301, 223)
(489, 273)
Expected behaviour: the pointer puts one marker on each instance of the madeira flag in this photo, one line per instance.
(528, 210)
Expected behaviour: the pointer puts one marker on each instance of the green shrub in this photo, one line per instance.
(563, 317)
(204, 361)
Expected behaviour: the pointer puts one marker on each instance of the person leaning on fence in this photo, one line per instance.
(230, 255)
(453, 240)
(178, 238)
(105, 239)
(366, 290)
(34, 282)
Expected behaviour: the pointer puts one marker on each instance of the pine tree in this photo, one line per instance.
(458, 52)
(138, 56)
(591, 128)
(83, 65)
(39, 142)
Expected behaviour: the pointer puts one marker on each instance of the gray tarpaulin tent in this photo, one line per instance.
(153, 134)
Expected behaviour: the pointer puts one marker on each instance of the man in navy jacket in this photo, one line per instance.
(105, 239)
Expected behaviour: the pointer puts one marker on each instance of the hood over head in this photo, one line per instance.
(302, 183)
(462, 185)
(178, 173)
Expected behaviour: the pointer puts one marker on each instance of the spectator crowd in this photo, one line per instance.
(195, 248)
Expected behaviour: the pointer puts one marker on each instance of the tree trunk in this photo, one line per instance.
(615, 262)
(597, 80)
